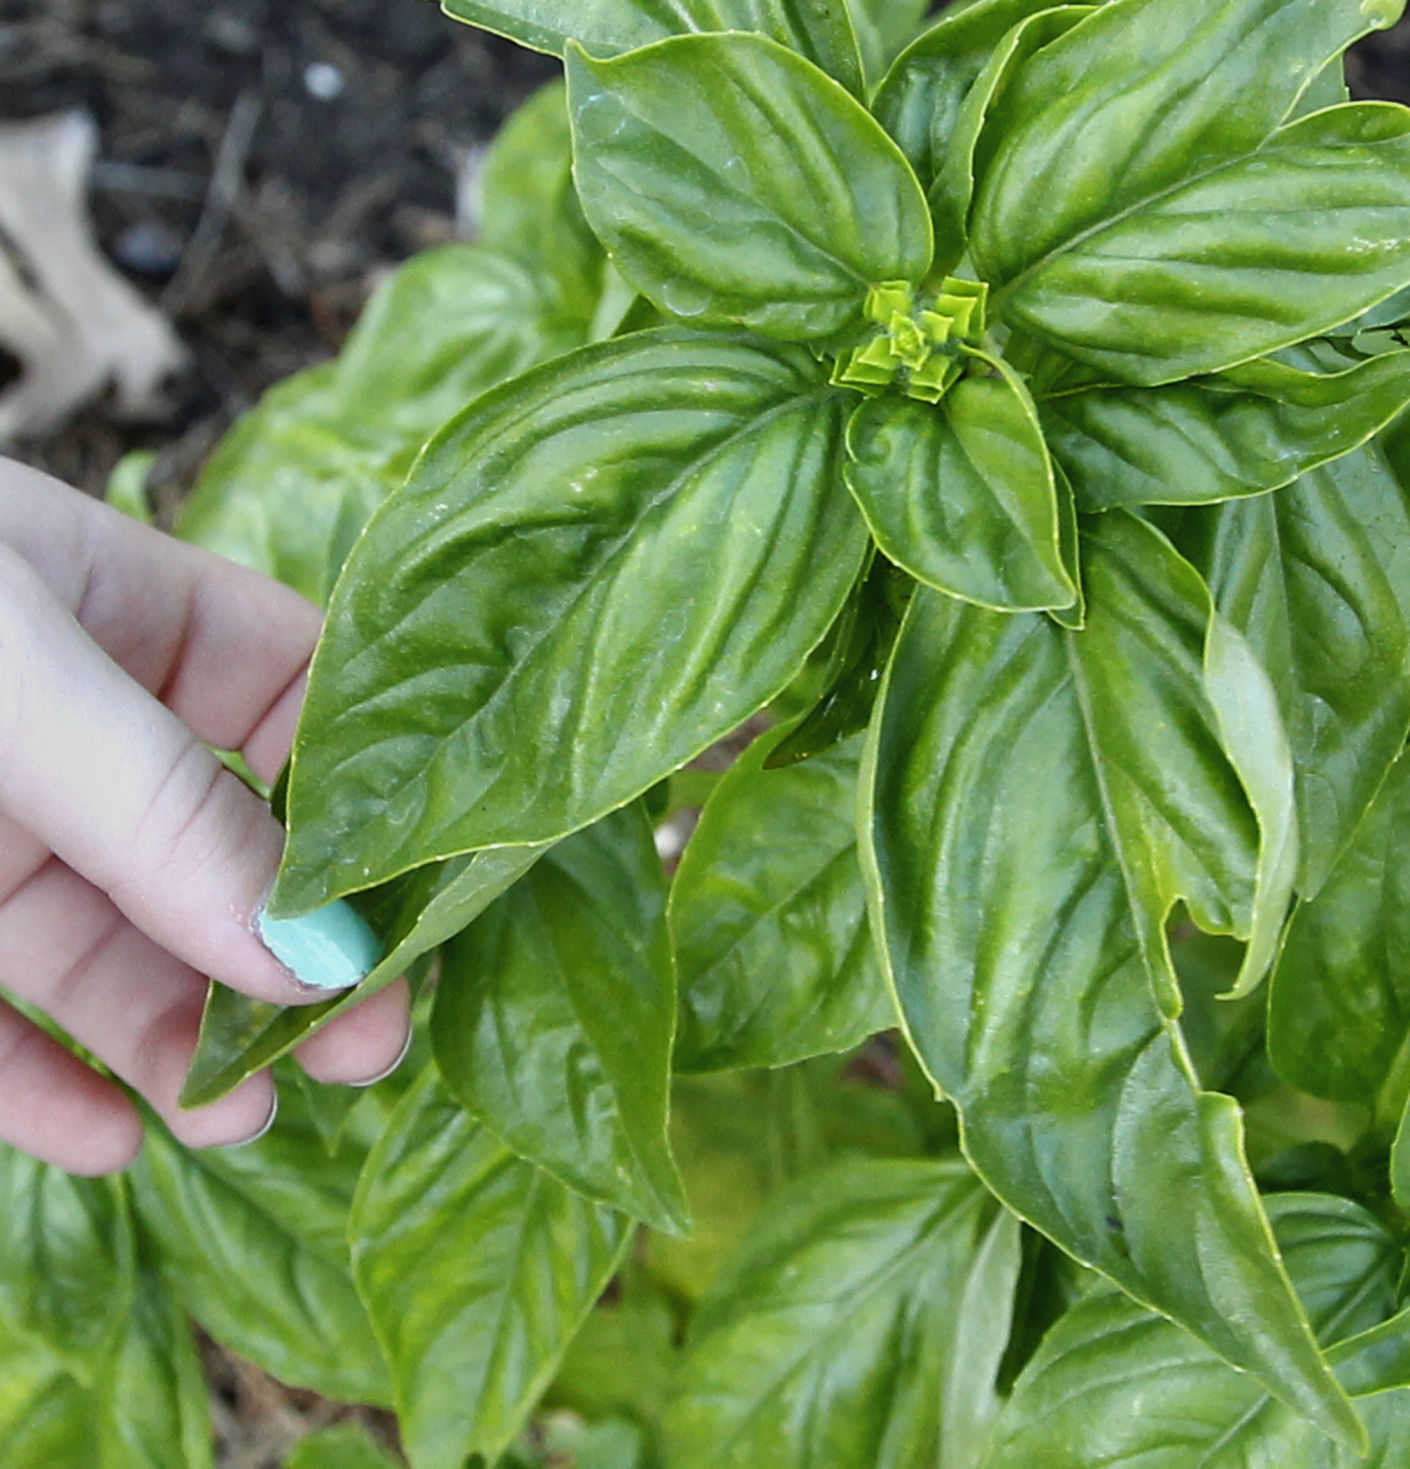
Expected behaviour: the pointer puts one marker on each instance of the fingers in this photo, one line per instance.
(365, 1044)
(219, 644)
(55, 1108)
(117, 786)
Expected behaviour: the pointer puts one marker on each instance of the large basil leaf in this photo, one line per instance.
(529, 207)
(253, 1242)
(809, 201)
(818, 29)
(1317, 577)
(1041, 798)
(1128, 105)
(477, 1269)
(153, 1402)
(240, 1036)
(862, 1322)
(768, 917)
(594, 574)
(1339, 1010)
(1249, 429)
(1116, 1385)
(46, 1419)
(294, 481)
(919, 99)
(555, 1014)
(1246, 257)
(67, 1271)
(961, 494)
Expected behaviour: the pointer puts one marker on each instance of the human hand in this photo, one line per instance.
(132, 864)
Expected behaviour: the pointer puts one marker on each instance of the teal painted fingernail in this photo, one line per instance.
(331, 948)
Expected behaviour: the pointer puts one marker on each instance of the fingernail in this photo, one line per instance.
(331, 948)
(387, 1071)
(254, 1137)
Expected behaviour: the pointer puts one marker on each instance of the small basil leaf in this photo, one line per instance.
(153, 1401)
(818, 29)
(477, 1269)
(862, 1322)
(882, 29)
(810, 201)
(641, 586)
(67, 1271)
(1317, 578)
(961, 494)
(414, 914)
(252, 1241)
(768, 917)
(555, 1014)
(1244, 258)
(1246, 430)
(292, 484)
(343, 1446)
(1339, 1007)
(1115, 1384)
(1024, 934)
(1127, 106)
(45, 1414)
(919, 99)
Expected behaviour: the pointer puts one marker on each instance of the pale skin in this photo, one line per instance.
(132, 864)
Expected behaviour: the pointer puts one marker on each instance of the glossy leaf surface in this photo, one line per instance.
(961, 494)
(66, 1260)
(818, 29)
(1317, 578)
(252, 1241)
(592, 576)
(555, 1014)
(1128, 106)
(1339, 1012)
(293, 483)
(1251, 429)
(861, 1323)
(1041, 798)
(1248, 256)
(768, 917)
(809, 201)
(240, 1036)
(1114, 1384)
(477, 1269)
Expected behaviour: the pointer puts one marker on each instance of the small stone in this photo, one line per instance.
(324, 81)
(149, 247)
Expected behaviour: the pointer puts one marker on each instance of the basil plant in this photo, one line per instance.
(1000, 416)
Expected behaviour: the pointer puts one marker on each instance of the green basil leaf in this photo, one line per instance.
(529, 206)
(1246, 257)
(768, 917)
(818, 29)
(1127, 106)
(343, 1446)
(46, 1419)
(1117, 1385)
(809, 201)
(919, 99)
(961, 493)
(477, 1269)
(1249, 429)
(555, 1014)
(1317, 578)
(1339, 1008)
(294, 481)
(862, 1322)
(153, 1401)
(882, 29)
(958, 151)
(253, 1243)
(641, 584)
(1026, 942)
(67, 1271)
(414, 914)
